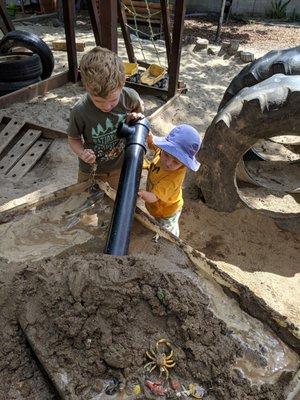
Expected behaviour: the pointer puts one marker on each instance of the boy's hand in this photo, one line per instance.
(134, 116)
(148, 197)
(88, 156)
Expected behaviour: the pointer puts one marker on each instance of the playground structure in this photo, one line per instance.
(104, 18)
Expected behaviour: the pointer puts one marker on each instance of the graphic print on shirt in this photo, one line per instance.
(107, 145)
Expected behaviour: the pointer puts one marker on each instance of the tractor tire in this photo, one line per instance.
(33, 43)
(285, 62)
(8, 87)
(20, 67)
(268, 108)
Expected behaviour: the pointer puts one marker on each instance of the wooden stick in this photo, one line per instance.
(37, 198)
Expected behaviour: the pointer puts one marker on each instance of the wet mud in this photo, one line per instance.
(91, 318)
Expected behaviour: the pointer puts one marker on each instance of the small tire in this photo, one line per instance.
(20, 67)
(33, 43)
(9, 87)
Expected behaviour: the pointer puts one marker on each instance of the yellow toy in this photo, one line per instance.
(155, 75)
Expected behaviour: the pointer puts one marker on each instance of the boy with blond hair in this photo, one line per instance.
(95, 117)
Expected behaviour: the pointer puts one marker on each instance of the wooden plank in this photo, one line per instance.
(9, 132)
(18, 150)
(164, 107)
(37, 198)
(151, 5)
(28, 160)
(125, 31)
(47, 133)
(8, 25)
(108, 11)
(29, 92)
(180, 7)
(95, 20)
(69, 23)
(61, 45)
(167, 29)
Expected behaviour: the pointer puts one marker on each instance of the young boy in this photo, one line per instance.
(95, 117)
(173, 155)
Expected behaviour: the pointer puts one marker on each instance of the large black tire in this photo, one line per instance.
(285, 62)
(268, 108)
(8, 87)
(33, 43)
(20, 67)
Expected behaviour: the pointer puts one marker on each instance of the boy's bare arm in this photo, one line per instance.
(148, 197)
(86, 155)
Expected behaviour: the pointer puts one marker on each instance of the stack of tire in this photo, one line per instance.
(19, 69)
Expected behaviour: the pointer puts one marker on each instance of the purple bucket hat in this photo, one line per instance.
(183, 143)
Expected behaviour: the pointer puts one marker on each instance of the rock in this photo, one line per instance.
(201, 44)
(246, 56)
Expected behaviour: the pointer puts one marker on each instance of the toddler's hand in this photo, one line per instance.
(88, 156)
(148, 197)
(134, 116)
(150, 138)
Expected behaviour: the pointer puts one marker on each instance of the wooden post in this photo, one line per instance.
(8, 25)
(95, 20)
(167, 30)
(108, 11)
(125, 32)
(180, 7)
(217, 38)
(69, 18)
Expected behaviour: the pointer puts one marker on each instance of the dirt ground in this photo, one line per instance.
(246, 244)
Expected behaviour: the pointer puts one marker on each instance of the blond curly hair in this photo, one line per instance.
(102, 71)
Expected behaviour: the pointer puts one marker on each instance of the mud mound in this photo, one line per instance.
(92, 317)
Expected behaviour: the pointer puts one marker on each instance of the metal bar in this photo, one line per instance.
(29, 92)
(180, 7)
(125, 32)
(109, 21)
(167, 29)
(69, 20)
(95, 20)
(8, 25)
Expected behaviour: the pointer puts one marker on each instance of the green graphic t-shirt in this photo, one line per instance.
(98, 129)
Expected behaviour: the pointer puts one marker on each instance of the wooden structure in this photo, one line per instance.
(104, 18)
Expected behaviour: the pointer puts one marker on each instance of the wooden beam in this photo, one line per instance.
(69, 20)
(164, 107)
(109, 21)
(38, 198)
(167, 29)
(29, 92)
(144, 89)
(125, 32)
(95, 21)
(180, 7)
(8, 25)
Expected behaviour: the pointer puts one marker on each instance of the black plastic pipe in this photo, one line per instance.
(118, 239)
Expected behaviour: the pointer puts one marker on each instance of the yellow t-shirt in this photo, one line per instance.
(167, 186)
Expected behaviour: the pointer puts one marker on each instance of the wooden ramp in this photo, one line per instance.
(20, 148)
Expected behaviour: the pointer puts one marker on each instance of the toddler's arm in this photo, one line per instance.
(148, 197)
